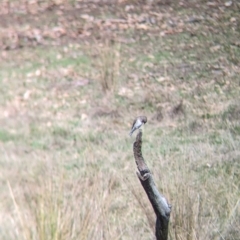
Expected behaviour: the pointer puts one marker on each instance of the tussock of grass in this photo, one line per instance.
(109, 65)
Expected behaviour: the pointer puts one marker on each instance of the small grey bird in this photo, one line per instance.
(138, 122)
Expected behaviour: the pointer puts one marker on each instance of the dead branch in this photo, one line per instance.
(159, 203)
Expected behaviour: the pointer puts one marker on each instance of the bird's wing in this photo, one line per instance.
(134, 123)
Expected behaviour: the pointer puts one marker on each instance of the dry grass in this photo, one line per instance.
(69, 173)
(109, 65)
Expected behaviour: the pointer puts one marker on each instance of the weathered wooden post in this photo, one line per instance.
(159, 203)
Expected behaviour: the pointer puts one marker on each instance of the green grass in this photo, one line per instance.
(6, 136)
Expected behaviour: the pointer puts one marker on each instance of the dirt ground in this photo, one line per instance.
(27, 24)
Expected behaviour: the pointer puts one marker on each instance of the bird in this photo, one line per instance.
(137, 123)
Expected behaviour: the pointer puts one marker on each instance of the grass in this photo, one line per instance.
(67, 167)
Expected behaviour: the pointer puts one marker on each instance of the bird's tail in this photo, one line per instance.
(130, 134)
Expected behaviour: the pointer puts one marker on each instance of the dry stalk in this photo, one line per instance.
(109, 65)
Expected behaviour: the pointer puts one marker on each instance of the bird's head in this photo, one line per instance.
(144, 119)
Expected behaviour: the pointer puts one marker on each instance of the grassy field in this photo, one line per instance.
(73, 77)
